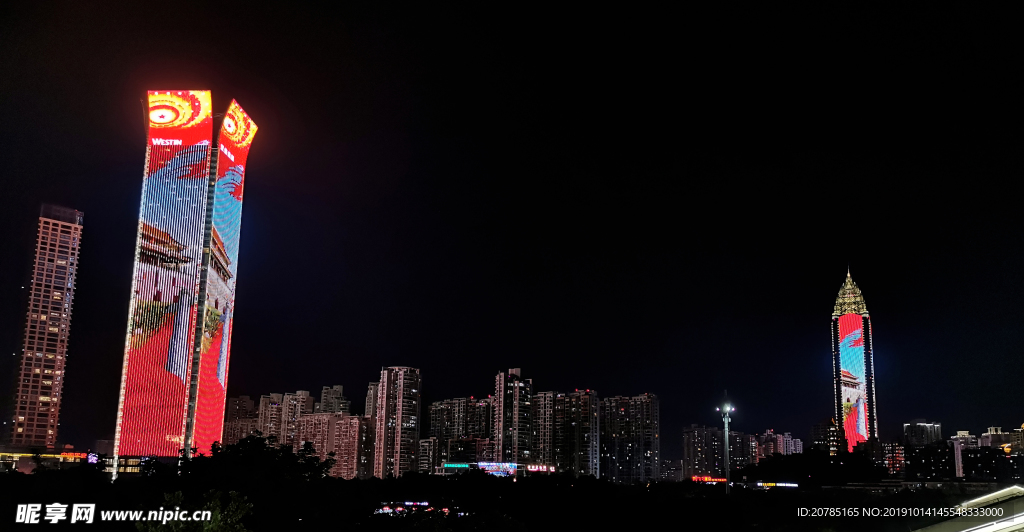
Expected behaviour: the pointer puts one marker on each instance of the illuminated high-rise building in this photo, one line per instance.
(41, 375)
(853, 367)
(547, 413)
(578, 433)
(175, 369)
(293, 406)
(630, 436)
(332, 400)
(371, 400)
(240, 420)
(513, 428)
(447, 422)
(269, 416)
(398, 422)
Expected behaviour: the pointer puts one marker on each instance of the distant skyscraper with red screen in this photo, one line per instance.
(48, 324)
(853, 366)
(175, 368)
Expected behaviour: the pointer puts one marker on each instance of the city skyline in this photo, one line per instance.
(468, 211)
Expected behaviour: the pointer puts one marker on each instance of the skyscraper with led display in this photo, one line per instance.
(48, 324)
(853, 367)
(175, 367)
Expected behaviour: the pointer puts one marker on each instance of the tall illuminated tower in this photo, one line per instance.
(48, 325)
(853, 366)
(175, 368)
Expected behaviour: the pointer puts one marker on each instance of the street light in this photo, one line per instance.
(725, 409)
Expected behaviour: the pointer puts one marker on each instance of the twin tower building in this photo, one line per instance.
(178, 346)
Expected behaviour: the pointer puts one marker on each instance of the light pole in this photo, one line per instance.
(725, 409)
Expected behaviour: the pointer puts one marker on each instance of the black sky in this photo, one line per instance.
(629, 201)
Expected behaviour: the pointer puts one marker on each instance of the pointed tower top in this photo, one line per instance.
(850, 300)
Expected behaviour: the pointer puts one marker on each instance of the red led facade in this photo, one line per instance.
(183, 285)
(236, 134)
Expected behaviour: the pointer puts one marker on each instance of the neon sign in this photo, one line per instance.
(501, 469)
(710, 480)
(777, 485)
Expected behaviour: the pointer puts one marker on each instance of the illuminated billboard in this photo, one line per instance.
(499, 469)
(854, 379)
(183, 282)
(236, 134)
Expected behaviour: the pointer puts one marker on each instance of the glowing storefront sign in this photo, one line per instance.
(707, 479)
(498, 468)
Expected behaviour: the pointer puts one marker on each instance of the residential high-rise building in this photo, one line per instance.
(647, 414)
(919, 433)
(448, 418)
(294, 405)
(895, 458)
(238, 429)
(962, 440)
(616, 439)
(352, 455)
(240, 419)
(853, 366)
(671, 471)
(398, 422)
(825, 436)
(39, 390)
(371, 399)
(775, 443)
(463, 451)
(239, 407)
(703, 452)
(512, 417)
(630, 438)
(175, 367)
(578, 432)
(969, 441)
(544, 423)
(366, 439)
(332, 401)
(320, 430)
(269, 417)
(995, 437)
(448, 422)
(480, 417)
(338, 433)
(429, 455)
(743, 450)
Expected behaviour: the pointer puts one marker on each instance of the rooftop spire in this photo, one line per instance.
(849, 300)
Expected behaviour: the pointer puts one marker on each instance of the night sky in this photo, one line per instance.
(626, 201)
